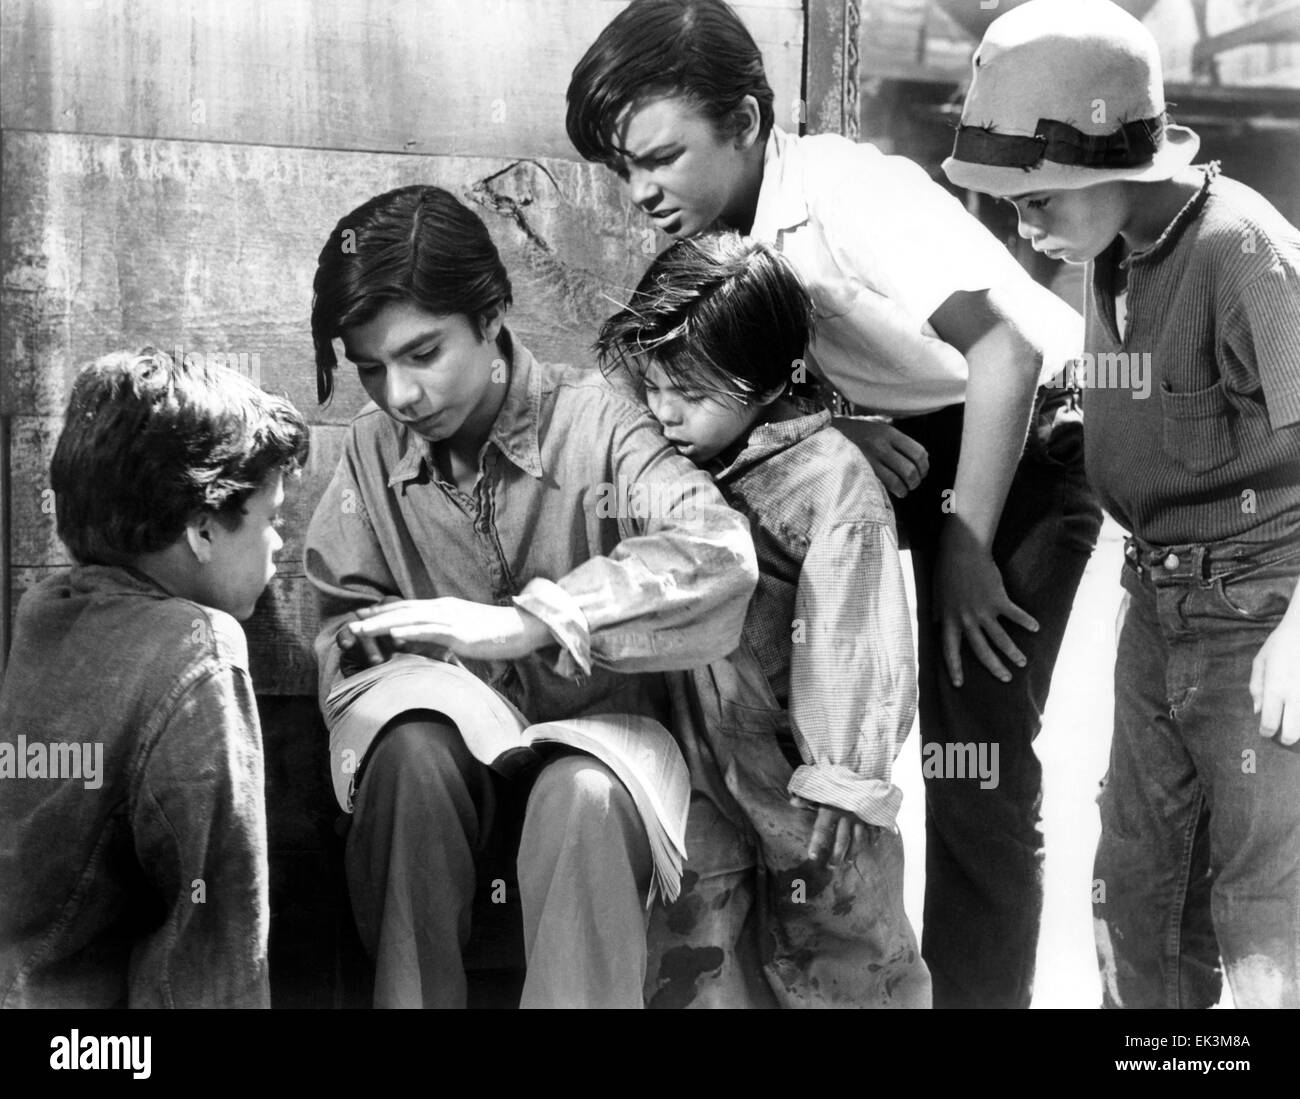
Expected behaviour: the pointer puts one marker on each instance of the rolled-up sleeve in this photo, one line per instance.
(673, 593)
(852, 673)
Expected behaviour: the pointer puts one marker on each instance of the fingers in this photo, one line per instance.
(861, 837)
(902, 463)
(843, 840)
(823, 836)
(984, 652)
(951, 643)
(1257, 683)
(1277, 713)
(913, 451)
(894, 485)
(1270, 712)
(348, 638)
(1290, 724)
(979, 633)
(1020, 617)
(1002, 640)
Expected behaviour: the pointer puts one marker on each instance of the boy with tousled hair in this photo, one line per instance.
(148, 886)
(794, 876)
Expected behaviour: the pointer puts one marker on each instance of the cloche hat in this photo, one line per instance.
(1066, 94)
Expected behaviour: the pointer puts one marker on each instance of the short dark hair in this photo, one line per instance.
(417, 244)
(694, 48)
(717, 313)
(148, 443)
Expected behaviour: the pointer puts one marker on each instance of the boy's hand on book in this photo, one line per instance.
(1274, 685)
(900, 461)
(477, 631)
(837, 835)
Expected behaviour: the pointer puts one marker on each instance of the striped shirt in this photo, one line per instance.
(829, 622)
(1194, 412)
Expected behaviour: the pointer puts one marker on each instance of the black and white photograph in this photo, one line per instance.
(580, 504)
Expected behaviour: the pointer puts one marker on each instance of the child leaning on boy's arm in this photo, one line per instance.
(712, 335)
(852, 677)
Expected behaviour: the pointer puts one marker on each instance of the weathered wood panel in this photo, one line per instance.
(428, 76)
(115, 242)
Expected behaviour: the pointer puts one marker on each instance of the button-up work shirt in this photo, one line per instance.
(829, 624)
(133, 859)
(881, 246)
(581, 514)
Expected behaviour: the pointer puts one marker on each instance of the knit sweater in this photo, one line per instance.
(1194, 413)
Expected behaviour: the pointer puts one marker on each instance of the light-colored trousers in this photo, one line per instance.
(422, 809)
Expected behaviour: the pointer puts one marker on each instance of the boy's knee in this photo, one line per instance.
(581, 790)
(419, 748)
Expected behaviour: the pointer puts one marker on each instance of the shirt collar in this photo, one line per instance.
(514, 432)
(781, 202)
(772, 436)
(1169, 238)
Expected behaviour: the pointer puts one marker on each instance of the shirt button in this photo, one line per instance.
(1171, 562)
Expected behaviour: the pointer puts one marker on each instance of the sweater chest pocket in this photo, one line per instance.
(1199, 430)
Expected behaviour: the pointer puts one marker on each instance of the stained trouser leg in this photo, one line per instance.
(584, 875)
(418, 813)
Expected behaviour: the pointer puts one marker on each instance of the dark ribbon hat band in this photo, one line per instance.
(1132, 145)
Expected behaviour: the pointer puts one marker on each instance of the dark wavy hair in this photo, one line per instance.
(416, 244)
(148, 443)
(698, 49)
(718, 313)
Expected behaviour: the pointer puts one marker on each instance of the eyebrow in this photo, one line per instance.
(652, 153)
(409, 345)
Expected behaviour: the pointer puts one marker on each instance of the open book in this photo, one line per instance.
(640, 751)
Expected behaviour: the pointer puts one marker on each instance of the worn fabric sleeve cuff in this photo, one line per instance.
(560, 612)
(871, 799)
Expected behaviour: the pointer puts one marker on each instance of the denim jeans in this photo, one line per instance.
(1200, 845)
(984, 848)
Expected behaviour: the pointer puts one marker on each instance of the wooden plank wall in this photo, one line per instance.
(168, 172)
(171, 167)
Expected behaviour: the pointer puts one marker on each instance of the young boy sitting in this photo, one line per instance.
(798, 728)
(469, 515)
(133, 863)
(1194, 296)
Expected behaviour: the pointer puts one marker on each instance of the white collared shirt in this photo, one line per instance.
(880, 246)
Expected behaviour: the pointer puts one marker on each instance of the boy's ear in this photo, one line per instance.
(747, 122)
(765, 399)
(490, 322)
(198, 536)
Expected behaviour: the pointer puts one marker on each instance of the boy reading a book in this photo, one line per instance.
(474, 491)
(1197, 278)
(804, 721)
(140, 878)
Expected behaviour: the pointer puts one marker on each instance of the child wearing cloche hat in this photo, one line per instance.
(1194, 286)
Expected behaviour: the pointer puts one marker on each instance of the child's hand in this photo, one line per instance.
(360, 650)
(969, 598)
(900, 461)
(478, 631)
(837, 834)
(1274, 685)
